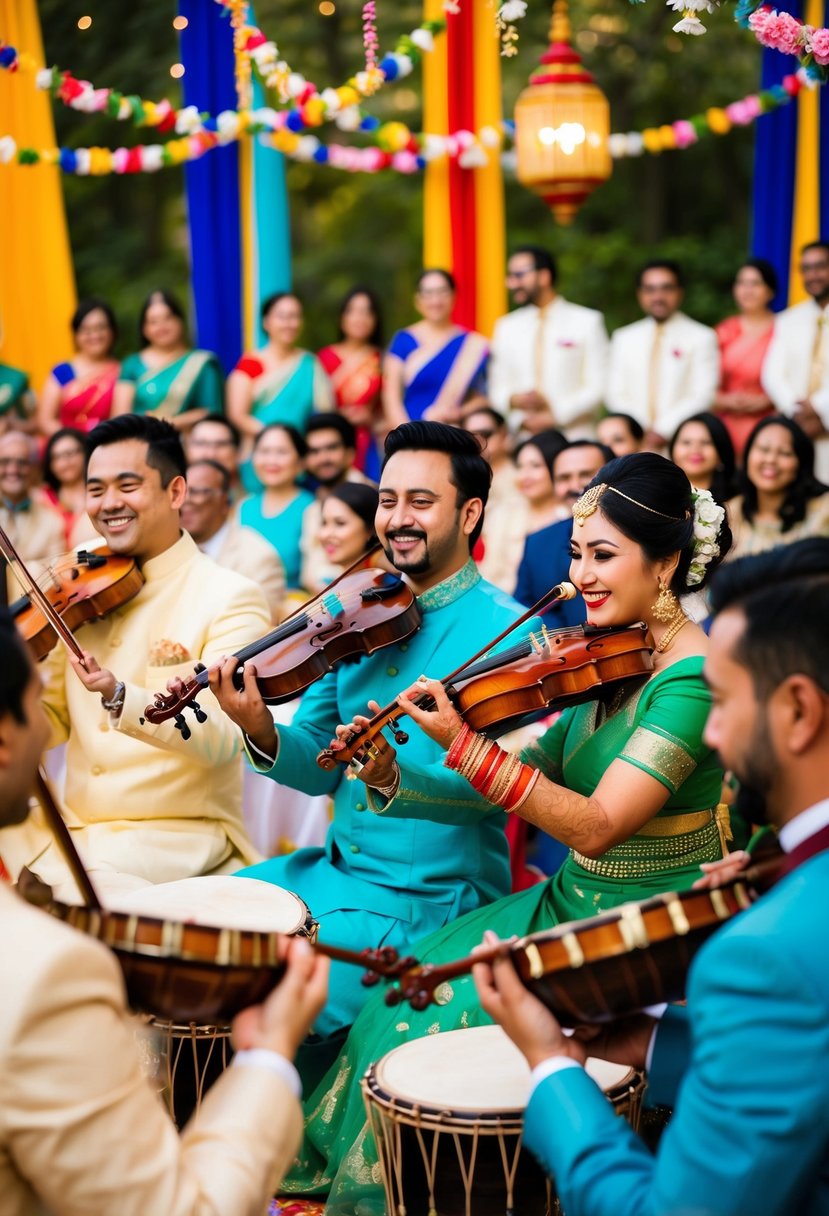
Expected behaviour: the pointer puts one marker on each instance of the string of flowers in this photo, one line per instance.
(396, 147)
(507, 14)
(783, 32)
(371, 44)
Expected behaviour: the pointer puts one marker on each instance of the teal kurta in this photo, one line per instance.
(656, 727)
(382, 880)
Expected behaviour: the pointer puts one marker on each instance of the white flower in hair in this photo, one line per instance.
(708, 518)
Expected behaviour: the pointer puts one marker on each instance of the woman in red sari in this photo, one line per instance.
(741, 400)
(79, 394)
(353, 367)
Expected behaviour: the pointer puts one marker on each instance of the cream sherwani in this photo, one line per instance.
(663, 374)
(560, 352)
(38, 536)
(243, 549)
(81, 1131)
(142, 801)
(796, 368)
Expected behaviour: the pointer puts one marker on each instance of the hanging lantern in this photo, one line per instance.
(562, 124)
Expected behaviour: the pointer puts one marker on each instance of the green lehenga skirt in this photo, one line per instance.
(338, 1156)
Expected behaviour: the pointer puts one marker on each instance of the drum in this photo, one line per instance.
(189, 1047)
(200, 949)
(447, 1113)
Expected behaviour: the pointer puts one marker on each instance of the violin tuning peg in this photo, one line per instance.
(182, 726)
(400, 736)
(201, 716)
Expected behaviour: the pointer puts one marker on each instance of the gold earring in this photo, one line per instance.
(667, 605)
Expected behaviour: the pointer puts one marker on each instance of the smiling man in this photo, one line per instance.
(146, 805)
(389, 881)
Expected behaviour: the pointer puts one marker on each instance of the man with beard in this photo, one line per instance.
(746, 1063)
(547, 365)
(390, 881)
(796, 368)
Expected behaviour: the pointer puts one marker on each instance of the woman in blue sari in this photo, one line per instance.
(431, 366)
(168, 378)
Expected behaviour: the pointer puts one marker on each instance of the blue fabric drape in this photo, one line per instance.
(213, 184)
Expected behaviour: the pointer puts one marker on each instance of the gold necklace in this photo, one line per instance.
(670, 633)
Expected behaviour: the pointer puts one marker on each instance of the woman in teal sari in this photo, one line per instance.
(280, 383)
(167, 378)
(625, 781)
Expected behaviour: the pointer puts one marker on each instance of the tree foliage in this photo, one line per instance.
(129, 233)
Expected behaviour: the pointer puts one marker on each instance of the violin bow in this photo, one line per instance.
(39, 597)
(64, 838)
(328, 757)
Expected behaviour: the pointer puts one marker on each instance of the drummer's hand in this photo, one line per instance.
(92, 676)
(623, 1042)
(282, 1021)
(442, 723)
(378, 761)
(529, 1024)
(718, 873)
(245, 708)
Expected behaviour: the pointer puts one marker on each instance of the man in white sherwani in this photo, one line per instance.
(666, 367)
(796, 369)
(548, 360)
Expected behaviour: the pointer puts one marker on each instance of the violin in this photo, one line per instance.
(500, 691)
(82, 587)
(363, 611)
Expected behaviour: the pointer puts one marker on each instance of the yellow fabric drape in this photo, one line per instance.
(490, 231)
(37, 282)
(437, 230)
(806, 205)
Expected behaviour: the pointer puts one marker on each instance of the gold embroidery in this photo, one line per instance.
(451, 589)
(402, 1027)
(434, 1028)
(662, 756)
(357, 1165)
(325, 1110)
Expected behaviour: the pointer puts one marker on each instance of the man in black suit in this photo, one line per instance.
(546, 559)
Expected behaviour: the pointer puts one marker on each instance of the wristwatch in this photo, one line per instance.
(116, 702)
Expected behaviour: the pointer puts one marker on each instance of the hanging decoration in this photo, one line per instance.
(562, 124)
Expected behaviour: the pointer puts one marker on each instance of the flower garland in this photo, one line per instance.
(708, 518)
(783, 32)
(397, 148)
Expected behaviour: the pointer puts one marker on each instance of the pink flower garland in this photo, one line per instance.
(371, 43)
(783, 32)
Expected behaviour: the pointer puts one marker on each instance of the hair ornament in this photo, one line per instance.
(708, 519)
(588, 503)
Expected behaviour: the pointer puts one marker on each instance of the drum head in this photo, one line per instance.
(470, 1072)
(219, 900)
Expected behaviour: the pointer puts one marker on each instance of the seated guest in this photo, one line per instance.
(144, 803)
(781, 500)
(17, 401)
(702, 448)
(80, 394)
(431, 366)
(347, 526)
(496, 563)
(279, 383)
(354, 369)
(33, 526)
(216, 438)
(81, 1126)
(621, 433)
(277, 511)
(758, 990)
(741, 401)
(64, 478)
(329, 462)
(167, 378)
(535, 506)
(545, 560)
(206, 515)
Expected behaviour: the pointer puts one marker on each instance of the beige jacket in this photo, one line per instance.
(249, 554)
(82, 1133)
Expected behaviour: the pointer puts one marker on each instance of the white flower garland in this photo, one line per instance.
(708, 518)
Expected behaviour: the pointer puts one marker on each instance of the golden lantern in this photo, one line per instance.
(562, 124)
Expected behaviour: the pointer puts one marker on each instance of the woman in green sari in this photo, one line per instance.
(625, 781)
(167, 378)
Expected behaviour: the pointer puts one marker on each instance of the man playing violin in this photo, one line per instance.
(746, 1063)
(376, 881)
(146, 805)
(81, 1127)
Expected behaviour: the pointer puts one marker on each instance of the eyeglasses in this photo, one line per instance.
(650, 289)
(519, 274)
(212, 443)
(11, 462)
(197, 493)
(811, 267)
(434, 291)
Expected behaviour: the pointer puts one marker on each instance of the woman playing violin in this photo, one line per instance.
(625, 781)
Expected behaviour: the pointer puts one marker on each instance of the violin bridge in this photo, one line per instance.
(332, 604)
